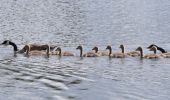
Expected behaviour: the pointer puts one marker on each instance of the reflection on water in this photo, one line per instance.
(68, 23)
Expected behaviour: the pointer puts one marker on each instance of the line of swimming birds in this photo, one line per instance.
(36, 49)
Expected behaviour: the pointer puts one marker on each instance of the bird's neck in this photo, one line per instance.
(60, 52)
(110, 51)
(141, 53)
(48, 50)
(14, 46)
(96, 50)
(81, 52)
(123, 50)
(161, 49)
(155, 51)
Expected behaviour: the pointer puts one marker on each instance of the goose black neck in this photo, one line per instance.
(14, 45)
(96, 50)
(161, 49)
(123, 50)
(81, 52)
(154, 51)
(110, 51)
(141, 53)
(59, 51)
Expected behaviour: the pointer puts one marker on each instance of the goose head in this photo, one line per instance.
(151, 46)
(110, 49)
(79, 47)
(6, 42)
(139, 49)
(95, 49)
(59, 50)
(154, 48)
(122, 47)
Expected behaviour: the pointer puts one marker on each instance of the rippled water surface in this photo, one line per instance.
(68, 23)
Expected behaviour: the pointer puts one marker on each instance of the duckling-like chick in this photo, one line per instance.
(100, 53)
(158, 48)
(116, 55)
(88, 54)
(64, 53)
(133, 53)
(148, 56)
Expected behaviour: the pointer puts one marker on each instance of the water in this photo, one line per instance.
(68, 23)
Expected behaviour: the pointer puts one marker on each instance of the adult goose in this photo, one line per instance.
(158, 48)
(165, 54)
(27, 48)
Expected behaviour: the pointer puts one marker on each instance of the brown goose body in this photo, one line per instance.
(133, 53)
(37, 50)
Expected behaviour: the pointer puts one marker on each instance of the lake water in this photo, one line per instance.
(68, 23)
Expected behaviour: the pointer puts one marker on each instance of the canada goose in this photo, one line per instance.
(158, 48)
(165, 54)
(7, 42)
(116, 55)
(100, 53)
(88, 54)
(64, 53)
(133, 53)
(33, 51)
(31, 47)
(148, 56)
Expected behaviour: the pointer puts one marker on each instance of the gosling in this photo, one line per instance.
(88, 54)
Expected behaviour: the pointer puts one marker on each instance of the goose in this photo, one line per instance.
(100, 53)
(31, 47)
(165, 54)
(148, 56)
(88, 54)
(133, 53)
(15, 48)
(158, 48)
(116, 55)
(31, 50)
(64, 53)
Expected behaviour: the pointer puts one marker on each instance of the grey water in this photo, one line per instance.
(69, 23)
